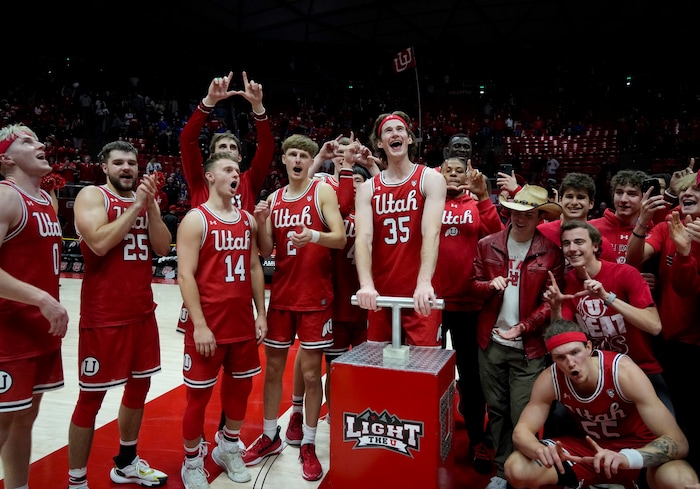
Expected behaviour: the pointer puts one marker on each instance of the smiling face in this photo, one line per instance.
(395, 139)
(627, 200)
(524, 224)
(578, 247)
(122, 171)
(575, 203)
(460, 147)
(689, 200)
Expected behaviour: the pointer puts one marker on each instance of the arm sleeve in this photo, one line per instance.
(260, 165)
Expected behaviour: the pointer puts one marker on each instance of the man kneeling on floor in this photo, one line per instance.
(626, 426)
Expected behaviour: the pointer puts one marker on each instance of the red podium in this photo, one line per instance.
(392, 426)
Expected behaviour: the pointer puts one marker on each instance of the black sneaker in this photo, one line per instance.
(482, 458)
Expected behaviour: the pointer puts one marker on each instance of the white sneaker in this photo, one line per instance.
(138, 472)
(497, 483)
(219, 437)
(232, 463)
(194, 477)
(193, 473)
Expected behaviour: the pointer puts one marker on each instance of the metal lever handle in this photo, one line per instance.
(400, 302)
(396, 304)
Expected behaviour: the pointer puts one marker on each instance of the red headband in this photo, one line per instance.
(392, 117)
(560, 339)
(5, 143)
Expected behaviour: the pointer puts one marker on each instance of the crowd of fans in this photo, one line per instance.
(652, 125)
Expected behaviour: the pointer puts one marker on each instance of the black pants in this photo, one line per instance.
(462, 328)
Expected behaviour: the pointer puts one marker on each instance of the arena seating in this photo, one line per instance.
(581, 152)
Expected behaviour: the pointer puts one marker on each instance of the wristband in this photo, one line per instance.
(517, 189)
(639, 223)
(634, 458)
(610, 299)
(640, 236)
(206, 107)
(259, 114)
(315, 236)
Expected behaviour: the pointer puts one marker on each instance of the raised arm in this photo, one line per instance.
(189, 137)
(158, 233)
(684, 272)
(260, 164)
(92, 222)
(638, 250)
(328, 151)
(645, 316)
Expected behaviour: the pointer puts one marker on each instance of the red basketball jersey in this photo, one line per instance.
(223, 277)
(606, 415)
(396, 246)
(116, 287)
(302, 278)
(345, 277)
(31, 252)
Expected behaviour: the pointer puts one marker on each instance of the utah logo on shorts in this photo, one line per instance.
(5, 381)
(90, 366)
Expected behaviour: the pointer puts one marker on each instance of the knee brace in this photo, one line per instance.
(86, 408)
(135, 392)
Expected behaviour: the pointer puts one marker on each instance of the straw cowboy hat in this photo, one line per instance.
(533, 197)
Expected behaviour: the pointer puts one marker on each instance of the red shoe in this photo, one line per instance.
(261, 448)
(310, 466)
(295, 432)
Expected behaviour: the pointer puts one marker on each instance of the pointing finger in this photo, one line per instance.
(593, 443)
(588, 277)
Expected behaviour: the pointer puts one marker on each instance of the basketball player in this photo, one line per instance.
(32, 321)
(119, 224)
